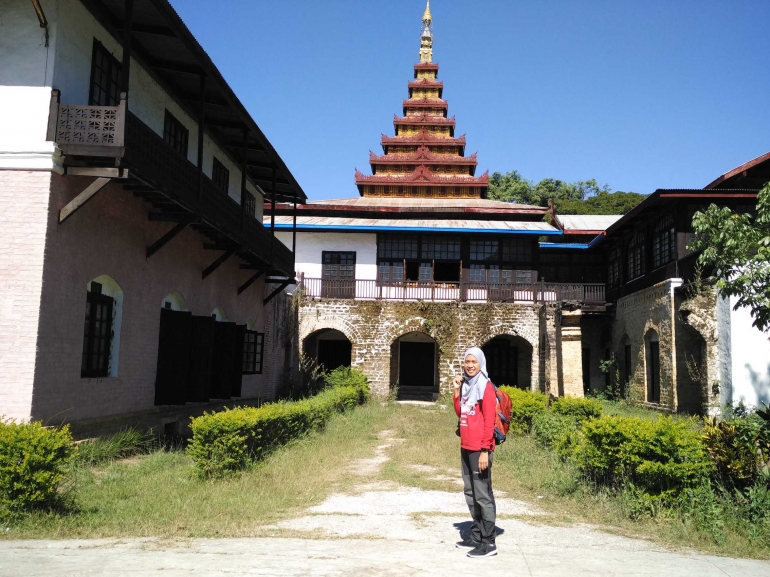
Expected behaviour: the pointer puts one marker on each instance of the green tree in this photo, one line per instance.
(737, 246)
(510, 187)
(604, 202)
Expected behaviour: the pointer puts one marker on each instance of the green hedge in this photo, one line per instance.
(525, 405)
(552, 429)
(580, 409)
(232, 439)
(659, 457)
(33, 460)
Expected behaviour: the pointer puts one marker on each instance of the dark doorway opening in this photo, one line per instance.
(413, 367)
(502, 362)
(174, 348)
(334, 354)
(586, 370)
(653, 373)
(446, 271)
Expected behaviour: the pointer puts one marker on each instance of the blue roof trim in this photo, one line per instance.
(330, 227)
(574, 245)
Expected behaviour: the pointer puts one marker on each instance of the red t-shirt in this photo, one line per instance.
(477, 424)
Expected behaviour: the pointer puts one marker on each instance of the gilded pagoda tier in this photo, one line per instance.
(423, 159)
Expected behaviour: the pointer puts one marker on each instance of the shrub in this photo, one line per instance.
(33, 460)
(524, 406)
(347, 377)
(732, 444)
(658, 457)
(550, 428)
(232, 439)
(580, 409)
(119, 446)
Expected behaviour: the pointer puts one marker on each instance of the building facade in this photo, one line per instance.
(137, 281)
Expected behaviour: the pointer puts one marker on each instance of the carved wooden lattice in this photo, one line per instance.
(88, 125)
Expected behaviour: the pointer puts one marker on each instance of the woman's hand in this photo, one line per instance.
(483, 462)
(458, 384)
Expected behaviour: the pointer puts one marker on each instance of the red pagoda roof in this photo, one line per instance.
(426, 83)
(421, 156)
(423, 137)
(425, 103)
(424, 119)
(425, 66)
(422, 175)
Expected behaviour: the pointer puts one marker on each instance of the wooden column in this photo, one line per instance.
(244, 167)
(201, 130)
(126, 65)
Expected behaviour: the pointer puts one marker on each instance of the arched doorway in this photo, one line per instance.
(414, 366)
(509, 361)
(692, 371)
(329, 347)
(652, 362)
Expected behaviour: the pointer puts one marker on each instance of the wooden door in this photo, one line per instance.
(223, 351)
(199, 376)
(174, 349)
(237, 378)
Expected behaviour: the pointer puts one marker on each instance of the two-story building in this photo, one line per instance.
(137, 281)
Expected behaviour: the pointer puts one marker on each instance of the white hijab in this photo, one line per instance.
(473, 387)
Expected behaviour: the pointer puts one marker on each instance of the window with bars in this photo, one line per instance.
(636, 256)
(485, 249)
(398, 246)
(251, 204)
(253, 351)
(105, 77)
(664, 241)
(440, 248)
(339, 265)
(613, 268)
(390, 272)
(477, 273)
(175, 134)
(220, 176)
(97, 335)
(426, 271)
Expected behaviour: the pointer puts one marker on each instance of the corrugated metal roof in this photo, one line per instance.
(448, 225)
(588, 221)
(425, 203)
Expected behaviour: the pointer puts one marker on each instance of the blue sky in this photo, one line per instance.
(639, 95)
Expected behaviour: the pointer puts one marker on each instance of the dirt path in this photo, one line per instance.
(379, 528)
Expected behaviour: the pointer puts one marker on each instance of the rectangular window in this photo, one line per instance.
(440, 248)
(637, 255)
(220, 176)
(253, 349)
(485, 249)
(339, 265)
(478, 273)
(664, 242)
(105, 77)
(426, 271)
(613, 268)
(397, 246)
(97, 334)
(517, 250)
(175, 134)
(251, 204)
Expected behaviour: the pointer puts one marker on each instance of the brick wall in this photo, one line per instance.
(109, 236)
(373, 326)
(23, 219)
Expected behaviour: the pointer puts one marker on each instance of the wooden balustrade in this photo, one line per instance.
(365, 289)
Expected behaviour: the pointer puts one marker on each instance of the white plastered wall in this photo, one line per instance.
(750, 359)
(310, 246)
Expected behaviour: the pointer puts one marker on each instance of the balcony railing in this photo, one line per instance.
(113, 132)
(452, 291)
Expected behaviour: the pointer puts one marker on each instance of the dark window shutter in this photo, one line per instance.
(199, 375)
(174, 347)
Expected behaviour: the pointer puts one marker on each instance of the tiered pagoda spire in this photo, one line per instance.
(424, 159)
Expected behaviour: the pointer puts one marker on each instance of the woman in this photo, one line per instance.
(475, 403)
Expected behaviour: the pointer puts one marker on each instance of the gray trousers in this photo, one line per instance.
(479, 496)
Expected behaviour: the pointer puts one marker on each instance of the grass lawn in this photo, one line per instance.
(157, 495)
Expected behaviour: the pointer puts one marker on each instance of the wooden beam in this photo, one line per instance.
(216, 246)
(251, 281)
(177, 67)
(166, 217)
(125, 68)
(98, 171)
(201, 132)
(77, 203)
(216, 264)
(166, 238)
(251, 267)
(143, 29)
(273, 294)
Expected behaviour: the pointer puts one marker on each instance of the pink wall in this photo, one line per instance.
(109, 236)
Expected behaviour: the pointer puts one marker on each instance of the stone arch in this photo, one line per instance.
(107, 286)
(652, 365)
(414, 365)
(509, 360)
(311, 323)
(174, 301)
(329, 347)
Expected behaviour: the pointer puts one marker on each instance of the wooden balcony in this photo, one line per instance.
(588, 294)
(110, 138)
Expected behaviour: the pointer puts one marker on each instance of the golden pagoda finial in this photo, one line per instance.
(426, 38)
(426, 17)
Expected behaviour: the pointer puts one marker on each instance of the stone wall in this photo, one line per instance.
(373, 326)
